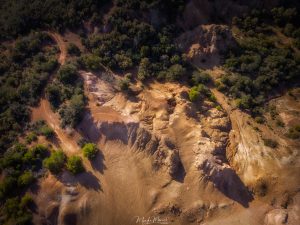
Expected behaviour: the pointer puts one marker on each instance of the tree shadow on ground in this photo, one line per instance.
(85, 179)
(98, 162)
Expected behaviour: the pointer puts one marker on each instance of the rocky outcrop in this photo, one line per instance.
(138, 138)
(205, 44)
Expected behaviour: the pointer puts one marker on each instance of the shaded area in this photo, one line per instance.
(88, 128)
(229, 183)
(85, 179)
(89, 181)
(180, 173)
(98, 162)
(70, 219)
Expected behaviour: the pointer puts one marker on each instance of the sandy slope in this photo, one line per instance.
(163, 157)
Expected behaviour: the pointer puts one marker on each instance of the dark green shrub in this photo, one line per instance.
(124, 62)
(39, 151)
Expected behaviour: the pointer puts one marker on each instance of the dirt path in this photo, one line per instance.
(44, 112)
(61, 44)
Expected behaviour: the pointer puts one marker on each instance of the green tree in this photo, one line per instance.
(26, 179)
(53, 94)
(74, 165)
(91, 62)
(175, 72)
(90, 150)
(72, 112)
(67, 74)
(144, 70)
(194, 94)
(55, 162)
(124, 62)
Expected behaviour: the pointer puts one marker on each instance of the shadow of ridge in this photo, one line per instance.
(180, 173)
(98, 162)
(229, 183)
(88, 127)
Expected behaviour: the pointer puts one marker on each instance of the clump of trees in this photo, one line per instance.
(19, 165)
(20, 16)
(72, 111)
(24, 73)
(66, 95)
(135, 43)
(258, 67)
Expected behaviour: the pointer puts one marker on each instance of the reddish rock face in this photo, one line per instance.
(205, 44)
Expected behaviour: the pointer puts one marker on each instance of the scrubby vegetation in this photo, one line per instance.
(262, 63)
(66, 95)
(136, 43)
(20, 16)
(25, 69)
(21, 167)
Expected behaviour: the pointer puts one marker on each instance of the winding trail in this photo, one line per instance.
(61, 44)
(44, 111)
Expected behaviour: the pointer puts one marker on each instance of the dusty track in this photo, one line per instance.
(61, 45)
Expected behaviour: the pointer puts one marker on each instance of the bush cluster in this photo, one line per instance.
(259, 65)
